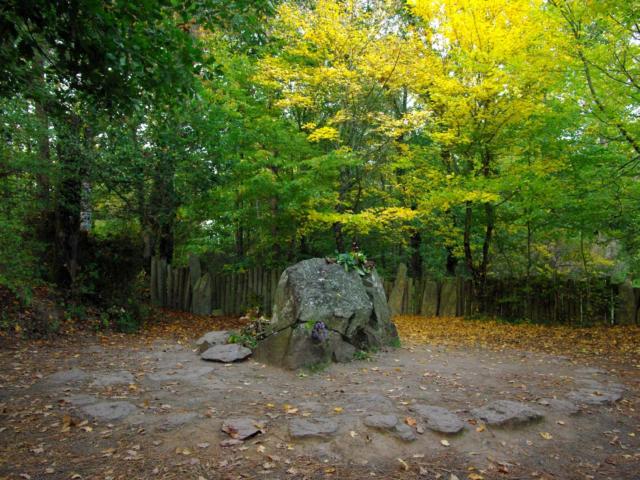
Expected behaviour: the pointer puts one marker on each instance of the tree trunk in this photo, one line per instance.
(68, 204)
(415, 265)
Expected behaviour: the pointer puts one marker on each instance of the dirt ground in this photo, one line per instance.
(168, 406)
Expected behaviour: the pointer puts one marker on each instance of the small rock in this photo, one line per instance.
(384, 422)
(231, 352)
(595, 397)
(505, 413)
(211, 339)
(312, 427)
(405, 432)
(241, 428)
(109, 410)
(439, 419)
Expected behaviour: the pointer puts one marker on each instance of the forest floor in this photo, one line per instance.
(140, 406)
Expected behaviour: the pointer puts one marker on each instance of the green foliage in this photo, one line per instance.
(245, 339)
(362, 355)
(125, 318)
(355, 261)
(485, 138)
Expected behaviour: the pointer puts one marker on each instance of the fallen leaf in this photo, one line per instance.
(546, 435)
(445, 442)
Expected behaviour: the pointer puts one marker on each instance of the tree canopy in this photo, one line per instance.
(480, 138)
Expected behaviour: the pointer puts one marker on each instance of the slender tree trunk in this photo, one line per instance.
(416, 258)
(163, 207)
(339, 237)
(68, 204)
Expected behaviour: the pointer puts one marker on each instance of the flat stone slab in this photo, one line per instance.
(241, 428)
(211, 339)
(228, 353)
(507, 413)
(110, 410)
(312, 427)
(560, 405)
(72, 375)
(381, 421)
(115, 378)
(590, 396)
(439, 419)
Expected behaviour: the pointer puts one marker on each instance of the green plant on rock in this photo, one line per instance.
(244, 339)
(355, 261)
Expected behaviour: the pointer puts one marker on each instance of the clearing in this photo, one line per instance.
(146, 406)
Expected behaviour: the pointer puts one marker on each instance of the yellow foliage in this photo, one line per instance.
(324, 133)
(618, 343)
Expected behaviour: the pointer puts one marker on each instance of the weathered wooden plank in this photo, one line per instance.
(398, 292)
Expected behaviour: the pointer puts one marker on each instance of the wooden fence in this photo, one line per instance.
(541, 300)
(196, 290)
(192, 288)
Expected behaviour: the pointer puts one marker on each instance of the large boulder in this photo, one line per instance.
(353, 308)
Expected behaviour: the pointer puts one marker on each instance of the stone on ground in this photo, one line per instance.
(312, 427)
(405, 432)
(590, 396)
(507, 413)
(228, 353)
(353, 308)
(113, 378)
(439, 419)
(381, 421)
(109, 411)
(211, 339)
(241, 428)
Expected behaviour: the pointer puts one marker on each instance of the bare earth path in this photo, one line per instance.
(148, 407)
